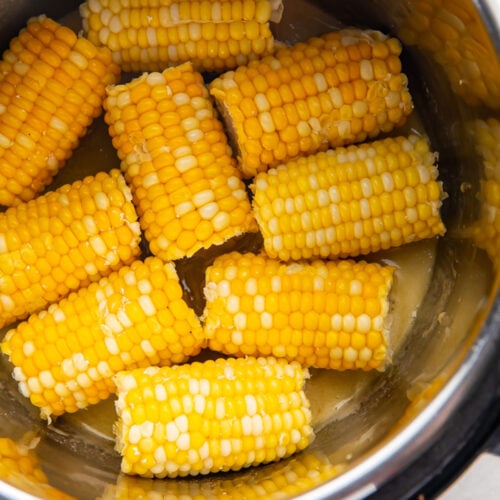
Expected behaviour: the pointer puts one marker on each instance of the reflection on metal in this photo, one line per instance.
(294, 476)
(453, 32)
(487, 231)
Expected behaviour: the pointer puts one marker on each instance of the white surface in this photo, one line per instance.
(481, 480)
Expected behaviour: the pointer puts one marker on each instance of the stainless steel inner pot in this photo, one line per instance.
(369, 426)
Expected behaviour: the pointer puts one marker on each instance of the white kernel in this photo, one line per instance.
(251, 404)
(111, 345)
(34, 385)
(28, 348)
(259, 303)
(378, 323)
(7, 302)
(183, 208)
(150, 179)
(320, 81)
(147, 305)
(194, 135)
(240, 320)
(204, 387)
(276, 284)
(160, 456)
(18, 374)
(237, 337)
(182, 423)
(186, 163)
(336, 322)
(251, 287)
(363, 323)
(266, 320)
(181, 98)
(356, 287)
(387, 181)
(172, 432)
(233, 304)
(261, 102)
(209, 210)
(349, 323)
(58, 124)
(104, 369)
(350, 354)
(148, 348)
(203, 197)
(221, 221)
(83, 380)
(364, 208)
(365, 354)
(194, 386)
(187, 403)
(246, 425)
(224, 288)
(366, 188)
(334, 194)
(98, 245)
(61, 390)
(46, 379)
(225, 447)
(134, 434)
(220, 409)
(366, 70)
(68, 368)
(257, 426)
(199, 404)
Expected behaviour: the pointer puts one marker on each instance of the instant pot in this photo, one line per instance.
(413, 429)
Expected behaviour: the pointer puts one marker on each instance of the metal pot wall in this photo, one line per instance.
(370, 427)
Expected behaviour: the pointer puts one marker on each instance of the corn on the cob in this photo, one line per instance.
(152, 35)
(338, 89)
(350, 201)
(297, 475)
(65, 357)
(324, 314)
(207, 417)
(173, 150)
(456, 36)
(20, 467)
(52, 84)
(64, 239)
(487, 230)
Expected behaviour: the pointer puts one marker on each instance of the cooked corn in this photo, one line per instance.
(487, 230)
(350, 201)
(338, 89)
(454, 33)
(151, 35)
(187, 189)
(207, 417)
(52, 84)
(65, 357)
(324, 314)
(62, 240)
(20, 467)
(297, 475)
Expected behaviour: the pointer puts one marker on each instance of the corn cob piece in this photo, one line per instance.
(321, 314)
(214, 416)
(297, 475)
(63, 240)
(173, 150)
(454, 33)
(65, 357)
(338, 89)
(52, 84)
(20, 467)
(487, 230)
(350, 201)
(151, 35)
